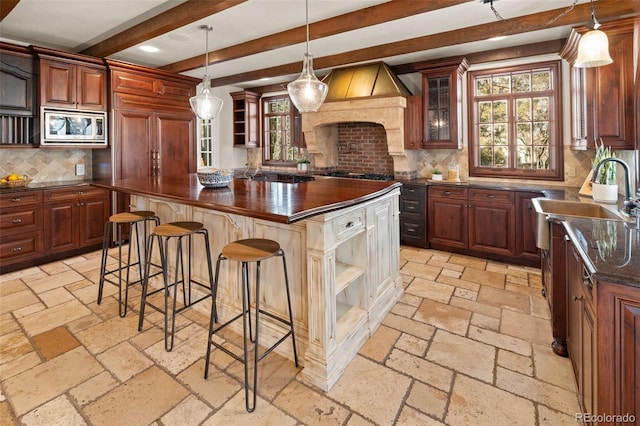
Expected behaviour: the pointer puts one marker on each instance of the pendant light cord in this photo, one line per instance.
(307, 23)
(207, 28)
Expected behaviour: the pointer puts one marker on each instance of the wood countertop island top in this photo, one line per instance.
(274, 201)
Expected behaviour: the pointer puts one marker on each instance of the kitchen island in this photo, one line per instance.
(341, 239)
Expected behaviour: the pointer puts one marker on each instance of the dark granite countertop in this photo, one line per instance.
(556, 192)
(38, 186)
(610, 248)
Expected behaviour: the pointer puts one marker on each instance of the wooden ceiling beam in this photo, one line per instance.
(179, 16)
(6, 6)
(606, 10)
(373, 15)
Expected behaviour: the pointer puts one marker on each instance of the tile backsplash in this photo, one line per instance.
(45, 164)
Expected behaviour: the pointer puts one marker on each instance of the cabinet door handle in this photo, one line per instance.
(16, 200)
(80, 193)
(577, 298)
(17, 221)
(16, 249)
(491, 196)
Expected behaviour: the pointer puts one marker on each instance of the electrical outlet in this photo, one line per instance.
(79, 169)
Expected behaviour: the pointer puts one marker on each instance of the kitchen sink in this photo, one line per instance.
(560, 208)
(574, 209)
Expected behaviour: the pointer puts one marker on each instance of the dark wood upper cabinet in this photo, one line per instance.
(71, 83)
(603, 97)
(18, 96)
(442, 103)
(413, 123)
(246, 119)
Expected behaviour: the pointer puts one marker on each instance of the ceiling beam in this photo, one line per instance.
(179, 16)
(6, 6)
(373, 15)
(607, 9)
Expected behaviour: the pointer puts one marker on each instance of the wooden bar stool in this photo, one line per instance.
(119, 221)
(245, 251)
(164, 233)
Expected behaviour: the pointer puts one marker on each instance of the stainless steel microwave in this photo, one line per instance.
(64, 128)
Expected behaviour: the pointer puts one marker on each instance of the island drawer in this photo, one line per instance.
(349, 225)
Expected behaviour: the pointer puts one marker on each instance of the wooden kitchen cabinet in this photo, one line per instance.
(492, 227)
(603, 97)
(493, 223)
(581, 329)
(18, 100)
(554, 285)
(21, 234)
(526, 225)
(72, 83)
(246, 119)
(618, 356)
(413, 123)
(413, 215)
(442, 103)
(74, 218)
(448, 217)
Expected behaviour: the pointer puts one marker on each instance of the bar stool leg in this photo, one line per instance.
(286, 285)
(105, 255)
(147, 270)
(246, 319)
(214, 314)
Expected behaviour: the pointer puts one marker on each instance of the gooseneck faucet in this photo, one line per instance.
(629, 205)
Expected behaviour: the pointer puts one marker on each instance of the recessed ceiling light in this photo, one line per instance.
(498, 38)
(150, 49)
(178, 37)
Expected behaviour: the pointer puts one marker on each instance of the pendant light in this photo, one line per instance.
(307, 92)
(205, 104)
(593, 48)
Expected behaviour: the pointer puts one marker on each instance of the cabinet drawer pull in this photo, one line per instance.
(16, 249)
(491, 196)
(577, 298)
(349, 224)
(16, 200)
(80, 193)
(446, 193)
(16, 221)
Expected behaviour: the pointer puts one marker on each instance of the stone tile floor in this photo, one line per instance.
(467, 344)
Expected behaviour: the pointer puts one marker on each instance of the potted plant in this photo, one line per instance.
(436, 174)
(605, 187)
(303, 165)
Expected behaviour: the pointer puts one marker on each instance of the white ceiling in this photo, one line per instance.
(74, 25)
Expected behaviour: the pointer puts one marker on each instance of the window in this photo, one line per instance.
(281, 131)
(515, 126)
(205, 144)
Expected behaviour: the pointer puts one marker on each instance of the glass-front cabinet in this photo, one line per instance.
(442, 97)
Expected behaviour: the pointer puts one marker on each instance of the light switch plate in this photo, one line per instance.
(79, 169)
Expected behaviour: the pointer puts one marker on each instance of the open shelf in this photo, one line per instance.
(346, 274)
(347, 316)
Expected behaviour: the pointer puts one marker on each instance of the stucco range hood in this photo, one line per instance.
(363, 81)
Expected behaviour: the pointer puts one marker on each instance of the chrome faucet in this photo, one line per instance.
(629, 205)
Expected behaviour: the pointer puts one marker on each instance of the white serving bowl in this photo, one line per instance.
(215, 178)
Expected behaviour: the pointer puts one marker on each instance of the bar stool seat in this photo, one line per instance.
(118, 220)
(163, 234)
(245, 251)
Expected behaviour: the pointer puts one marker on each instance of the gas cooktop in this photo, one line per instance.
(359, 175)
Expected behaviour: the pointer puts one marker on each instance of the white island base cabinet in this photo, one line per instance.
(343, 270)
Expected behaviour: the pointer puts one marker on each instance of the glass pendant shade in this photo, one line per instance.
(205, 104)
(307, 92)
(593, 50)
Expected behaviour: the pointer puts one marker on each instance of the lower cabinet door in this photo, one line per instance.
(59, 222)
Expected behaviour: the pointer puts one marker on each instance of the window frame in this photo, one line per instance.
(556, 144)
(294, 131)
(205, 137)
